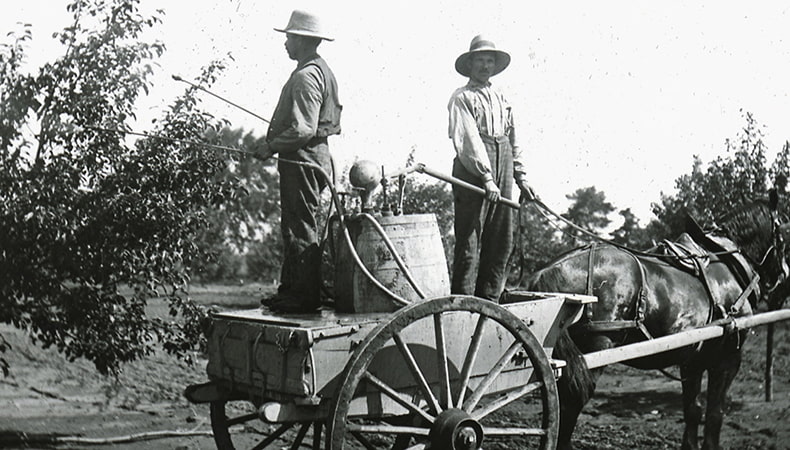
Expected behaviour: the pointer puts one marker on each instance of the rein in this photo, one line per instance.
(774, 247)
(751, 284)
(545, 211)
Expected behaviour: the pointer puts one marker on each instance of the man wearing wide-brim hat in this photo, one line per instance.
(307, 113)
(488, 155)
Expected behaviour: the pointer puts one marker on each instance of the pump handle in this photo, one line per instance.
(422, 169)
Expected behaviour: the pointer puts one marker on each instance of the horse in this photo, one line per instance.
(668, 289)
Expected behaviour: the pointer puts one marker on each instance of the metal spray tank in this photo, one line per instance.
(402, 252)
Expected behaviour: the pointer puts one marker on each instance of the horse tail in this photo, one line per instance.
(577, 382)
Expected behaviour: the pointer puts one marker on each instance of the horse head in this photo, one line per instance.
(757, 231)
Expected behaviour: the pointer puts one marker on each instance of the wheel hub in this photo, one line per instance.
(454, 429)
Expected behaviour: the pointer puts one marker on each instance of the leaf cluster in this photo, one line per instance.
(739, 175)
(96, 226)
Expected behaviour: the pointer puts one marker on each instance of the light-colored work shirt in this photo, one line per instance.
(475, 110)
(308, 107)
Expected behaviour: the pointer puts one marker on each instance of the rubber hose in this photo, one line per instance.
(394, 252)
(343, 226)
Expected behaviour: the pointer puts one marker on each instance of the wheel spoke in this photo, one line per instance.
(274, 436)
(482, 388)
(471, 356)
(441, 355)
(505, 399)
(317, 427)
(395, 395)
(363, 440)
(402, 442)
(419, 377)
(241, 419)
(300, 436)
(512, 431)
(404, 409)
(387, 429)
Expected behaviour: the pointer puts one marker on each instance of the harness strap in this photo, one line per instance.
(590, 268)
(736, 307)
(639, 302)
(641, 297)
(609, 325)
(713, 300)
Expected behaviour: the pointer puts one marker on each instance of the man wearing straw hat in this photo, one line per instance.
(306, 114)
(487, 155)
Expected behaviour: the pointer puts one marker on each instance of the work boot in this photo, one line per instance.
(277, 298)
(294, 306)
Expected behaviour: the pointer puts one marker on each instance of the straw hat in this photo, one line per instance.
(304, 23)
(481, 44)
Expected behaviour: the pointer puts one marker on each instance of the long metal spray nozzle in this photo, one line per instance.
(165, 138)
(196, 86)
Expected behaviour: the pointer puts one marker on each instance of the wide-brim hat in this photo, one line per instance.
(481, 44)
(304, 23)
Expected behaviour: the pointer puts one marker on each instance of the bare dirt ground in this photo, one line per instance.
(47, 398)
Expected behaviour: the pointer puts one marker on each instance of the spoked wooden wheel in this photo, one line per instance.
(223, 417)
(438, 374)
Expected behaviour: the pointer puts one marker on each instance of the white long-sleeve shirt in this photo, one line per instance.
(477, 109)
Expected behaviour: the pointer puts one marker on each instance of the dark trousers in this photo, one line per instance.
(483, 231)
(300, 196)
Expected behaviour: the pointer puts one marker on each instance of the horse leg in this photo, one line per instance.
(575, 387)
(720, 378)
(691, 379)
(571, 404)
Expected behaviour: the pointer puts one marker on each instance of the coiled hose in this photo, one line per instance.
(376, 226)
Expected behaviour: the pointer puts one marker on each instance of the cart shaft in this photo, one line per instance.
(679, 340)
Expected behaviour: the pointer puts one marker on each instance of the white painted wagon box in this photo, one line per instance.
(299, 357)
(282, 357)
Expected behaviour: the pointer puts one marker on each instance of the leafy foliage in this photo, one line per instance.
(422, 197)
(243, 237)
(589, 210)
(706, 194)
(538, 242)
(739, 175)
(96, 227)
(630, 234)
(742, 174)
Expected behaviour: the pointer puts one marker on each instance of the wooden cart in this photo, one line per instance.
(430, 375)
(436, 374)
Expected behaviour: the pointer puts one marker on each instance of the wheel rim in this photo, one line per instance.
(464, 402)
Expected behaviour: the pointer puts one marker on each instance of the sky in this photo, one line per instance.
(614, 94)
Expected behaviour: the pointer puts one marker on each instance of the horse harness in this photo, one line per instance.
(688, 255)
(616, 325)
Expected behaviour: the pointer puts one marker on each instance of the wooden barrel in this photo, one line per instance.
(416, 239)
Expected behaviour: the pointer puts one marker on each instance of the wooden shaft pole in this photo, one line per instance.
(678, 340)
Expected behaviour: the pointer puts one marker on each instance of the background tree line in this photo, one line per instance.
(96, 224)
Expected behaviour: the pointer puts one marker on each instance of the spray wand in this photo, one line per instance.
(196, 86)
(165, 138)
